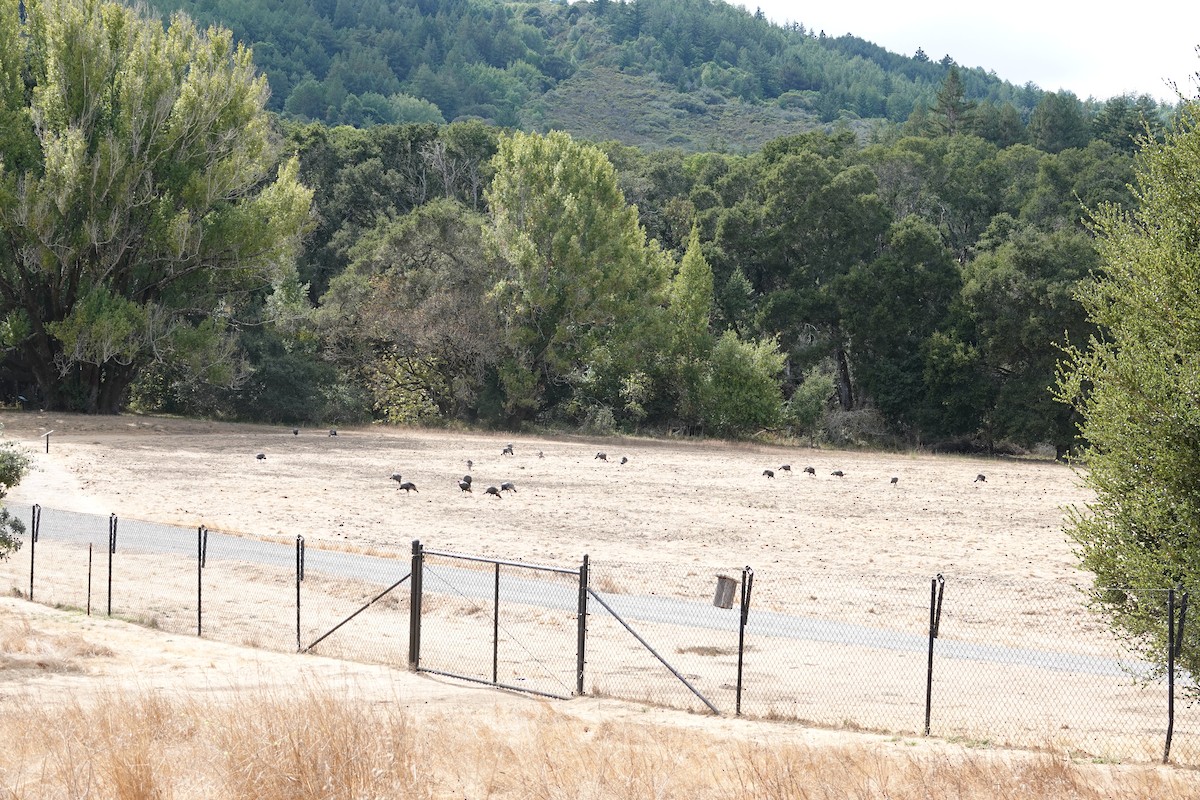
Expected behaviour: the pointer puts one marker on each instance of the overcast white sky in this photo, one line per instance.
(1090, 49)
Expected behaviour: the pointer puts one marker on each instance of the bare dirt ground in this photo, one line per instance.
(672, 503)
(675, 512)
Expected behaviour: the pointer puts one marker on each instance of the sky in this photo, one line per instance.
(1088, 49)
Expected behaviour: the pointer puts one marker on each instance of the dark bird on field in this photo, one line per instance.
(895, 480)
(786, 468)
(601, 456)
(508, 486)
(295, 431)
(408, 486)
(396, 477)
(810, 470)
(508, 450)
(541, 454)
(466, 479)
(769, 473)
(464, 486)
(624, 460)
(261, 456)
(980, 478)
(470, 464)
(838, 473)
(333, 431)
(492, 490)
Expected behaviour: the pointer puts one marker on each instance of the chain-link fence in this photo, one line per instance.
(974, 658)
(505, 623)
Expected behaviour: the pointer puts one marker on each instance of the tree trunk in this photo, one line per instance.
(845, 389)
(114, 382)
(87, 388)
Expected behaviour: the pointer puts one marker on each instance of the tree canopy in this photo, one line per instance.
(582, 299)
(138, 204)
(1135, 386)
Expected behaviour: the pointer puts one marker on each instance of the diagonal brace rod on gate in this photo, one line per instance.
(653, 652)
(365, 606)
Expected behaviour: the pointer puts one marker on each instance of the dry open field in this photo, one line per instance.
(675, 514)
(674, 503)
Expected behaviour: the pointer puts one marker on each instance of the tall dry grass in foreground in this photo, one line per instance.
(312, 743)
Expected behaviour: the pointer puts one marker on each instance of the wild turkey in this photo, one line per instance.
(396, 477)
(769, 473)
(295, 431)
(541, 454)
(261, 456)
(333, 431)
(786, 468)
(810, 471)
(508, 450)
(492, 490)
(895, 480)
(464, 486)
(508, 486)
(624, 460)
(466, 479)
(980, 478)
(470, 464)
(837, 473)
(408, 486)
(601, 456)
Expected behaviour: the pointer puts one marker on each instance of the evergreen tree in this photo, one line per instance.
(952, 111)
(582, 295)
(1135, 386)
(137, 204)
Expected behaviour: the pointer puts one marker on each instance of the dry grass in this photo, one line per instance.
(314, 743)
(24, 649)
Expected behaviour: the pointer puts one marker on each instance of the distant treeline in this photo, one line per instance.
(524, 65)
(907, 282)
(913, 287)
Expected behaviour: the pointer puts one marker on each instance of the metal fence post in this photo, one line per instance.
(747, 587)
(496, 626)
(35, 523)
(201, 553)
(299, 578)
(937, 587)
(414, 606)
(112, 548)
(1174, 647)
(581, 626)
(89, 581)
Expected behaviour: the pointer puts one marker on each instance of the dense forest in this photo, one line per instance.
(697, 74)
(897, 261)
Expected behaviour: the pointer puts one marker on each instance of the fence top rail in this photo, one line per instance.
(502, 562)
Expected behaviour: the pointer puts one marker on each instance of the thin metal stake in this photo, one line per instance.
(937, 587)
(201, 552)
(89, 581)
(747, 587)
(35, 524)
(112, 548)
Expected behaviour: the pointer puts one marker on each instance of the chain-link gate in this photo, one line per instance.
(505, 623)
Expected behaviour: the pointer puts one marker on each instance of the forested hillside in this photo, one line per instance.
(908, 281)
(692, 73)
